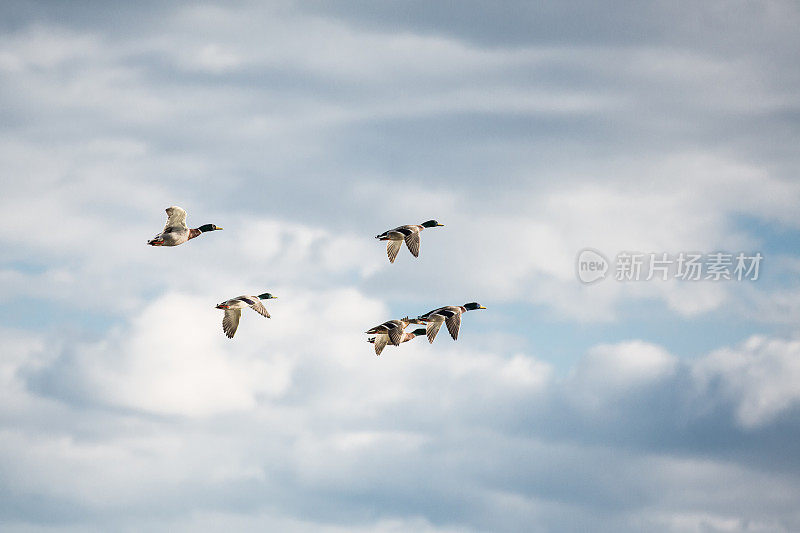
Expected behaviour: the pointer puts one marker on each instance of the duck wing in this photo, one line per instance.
(392, 247)
(176, 218)
(258, 306)
(453, 324)
(392, 328)
(412, 241)
(432, 329)
(231, 321)
(427, 316)
(396, 335)
(380, 343)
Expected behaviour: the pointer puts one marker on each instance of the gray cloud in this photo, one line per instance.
(307, 128)
(464, 439)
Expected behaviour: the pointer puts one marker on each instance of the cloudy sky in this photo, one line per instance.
(306, 128)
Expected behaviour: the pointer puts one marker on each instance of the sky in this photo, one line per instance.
(532, 132)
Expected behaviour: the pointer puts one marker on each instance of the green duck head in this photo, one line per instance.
(431, 224)
(208, 227)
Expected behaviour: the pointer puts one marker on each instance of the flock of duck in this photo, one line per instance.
(390, 332)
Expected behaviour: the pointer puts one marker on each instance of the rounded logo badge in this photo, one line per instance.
(591, 266)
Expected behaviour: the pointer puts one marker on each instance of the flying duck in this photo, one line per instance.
(450, 315)
(390, 332)
(233, 310)
(175, 231)
(409, 233)
(379, 346)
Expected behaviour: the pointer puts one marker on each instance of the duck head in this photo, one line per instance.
(431, 224)
(208, 227)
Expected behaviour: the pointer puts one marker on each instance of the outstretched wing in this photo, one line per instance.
(380, 343)
(453, 323)
(258, 307)
(392, 247)
(412, 241)
(231, 321)
(176, 218)
(396, 335)
(432, 329)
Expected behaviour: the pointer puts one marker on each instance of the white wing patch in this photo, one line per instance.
(427, 316)
(176, 218)
(231, 321)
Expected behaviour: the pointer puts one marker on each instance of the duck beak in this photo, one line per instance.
(481, 307)
(439, 225)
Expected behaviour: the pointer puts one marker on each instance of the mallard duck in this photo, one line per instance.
(176, 232)
(390, 332)
(233, 310)
(408, 233)
(381, 343)
(450, 315)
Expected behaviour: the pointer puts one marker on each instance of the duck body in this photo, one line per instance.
(233, 310)
(408, 233)
(176, 231)
(449, 315)
(171, 237)
(390, 332)
(380, 341)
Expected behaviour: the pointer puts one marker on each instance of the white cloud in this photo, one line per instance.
(210, 521)
(304, 135)
(611, 373)
(42, 47)
(244, 415)
(761, 378)
(627, 364)
(614, 202)
(173, 358)
(217, 59)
